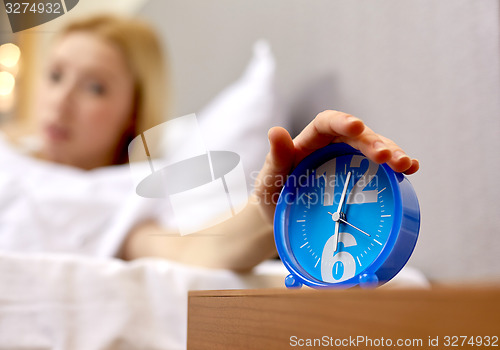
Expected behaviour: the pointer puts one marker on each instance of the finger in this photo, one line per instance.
(399, 160)
(325, 129)
(371, 144)
(279, 162)
(281, 153)
(415, 165)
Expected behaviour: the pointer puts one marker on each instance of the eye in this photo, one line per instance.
(55, 76)
(96, 89)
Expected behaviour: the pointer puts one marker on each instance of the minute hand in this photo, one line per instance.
(338, 211)
(342, 198)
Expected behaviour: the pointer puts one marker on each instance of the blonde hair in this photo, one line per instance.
(144, 55)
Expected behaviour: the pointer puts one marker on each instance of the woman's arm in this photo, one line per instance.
(246, 239)
(238, 243)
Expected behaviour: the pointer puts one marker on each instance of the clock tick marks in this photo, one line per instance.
(318, 258)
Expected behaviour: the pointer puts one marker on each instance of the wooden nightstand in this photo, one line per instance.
(280, 318)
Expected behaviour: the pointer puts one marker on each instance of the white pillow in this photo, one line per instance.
(239, 117)
(237, 120)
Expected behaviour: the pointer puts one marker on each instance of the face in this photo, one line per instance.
(85, 102)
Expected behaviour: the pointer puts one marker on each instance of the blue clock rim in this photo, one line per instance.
(281, 221)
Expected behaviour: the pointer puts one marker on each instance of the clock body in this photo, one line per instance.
(342, 220)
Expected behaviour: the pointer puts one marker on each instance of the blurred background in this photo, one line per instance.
(425, 73)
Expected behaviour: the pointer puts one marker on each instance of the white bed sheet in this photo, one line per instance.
(56, 301)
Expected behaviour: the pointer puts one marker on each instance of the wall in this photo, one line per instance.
(425, 73)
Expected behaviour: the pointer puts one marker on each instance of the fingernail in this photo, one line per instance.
(399, 155)
(379, 145)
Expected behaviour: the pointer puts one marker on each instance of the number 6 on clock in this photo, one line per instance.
(362, 232)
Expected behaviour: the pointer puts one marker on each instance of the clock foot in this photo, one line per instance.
(291, 281)
(368, 280)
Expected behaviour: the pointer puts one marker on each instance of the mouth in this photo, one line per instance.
(56, 132)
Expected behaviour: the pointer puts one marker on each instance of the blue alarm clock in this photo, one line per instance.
(343, 220)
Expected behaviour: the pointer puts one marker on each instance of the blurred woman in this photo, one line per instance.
(104, 84)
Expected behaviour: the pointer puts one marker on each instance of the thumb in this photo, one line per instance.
(272, 177)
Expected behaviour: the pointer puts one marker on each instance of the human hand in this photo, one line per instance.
(327, 127)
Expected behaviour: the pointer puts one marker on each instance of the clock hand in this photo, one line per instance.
(344, 192)
(336, 215)
(360, 230)
(337, 235)
(340, 217)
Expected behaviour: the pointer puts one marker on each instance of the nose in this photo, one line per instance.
(61, 99)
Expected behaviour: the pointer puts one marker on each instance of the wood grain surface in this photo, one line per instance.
(270, 318)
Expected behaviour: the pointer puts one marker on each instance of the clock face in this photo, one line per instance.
(340, 217)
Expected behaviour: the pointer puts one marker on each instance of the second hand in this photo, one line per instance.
(347, 223)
